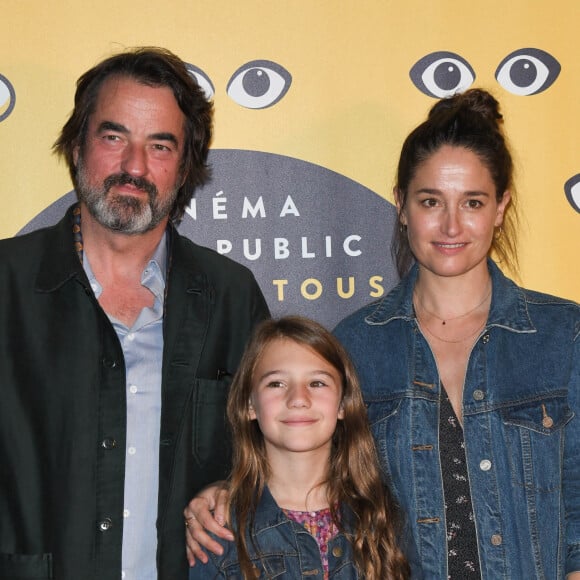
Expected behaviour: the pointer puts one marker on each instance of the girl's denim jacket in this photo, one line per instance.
(521, 427)
(287, 551)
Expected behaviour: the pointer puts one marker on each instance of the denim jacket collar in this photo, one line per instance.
(269, 515)
(508, 310)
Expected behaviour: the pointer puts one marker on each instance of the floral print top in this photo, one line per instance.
(462, 555)
(320, 525)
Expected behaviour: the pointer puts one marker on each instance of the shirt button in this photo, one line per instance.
(337, 551)
(105, 524)
(126, 513)
(485, 465)
(131, 336)
(108, 443)
(496, 540)
(132, 450)
(478, 395)
(133, 389)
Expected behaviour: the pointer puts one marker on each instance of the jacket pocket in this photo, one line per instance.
(26, 566)
(535, 436)
(210, 433)
(268, 566)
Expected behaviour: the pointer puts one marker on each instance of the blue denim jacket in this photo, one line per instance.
(288, 551)
(521, 427)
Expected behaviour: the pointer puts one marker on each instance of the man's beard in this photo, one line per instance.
(123, 213)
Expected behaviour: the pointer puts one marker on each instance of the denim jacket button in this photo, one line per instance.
(478, 395)
(485, 465)
(496, 540)
(337, 552)
(485, 338)
(548, 422)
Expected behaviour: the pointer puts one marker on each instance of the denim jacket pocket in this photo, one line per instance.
(210, 440)
(26, 566)
(535, 436)
(268, 566)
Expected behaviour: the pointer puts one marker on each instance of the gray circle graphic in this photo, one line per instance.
(317, 242)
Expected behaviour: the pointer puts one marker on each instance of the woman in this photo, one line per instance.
(471, 382)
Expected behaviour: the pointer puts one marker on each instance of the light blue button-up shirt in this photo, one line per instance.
(142, 346)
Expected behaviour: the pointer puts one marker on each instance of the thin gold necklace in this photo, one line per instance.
(445, 320)
(454, 341)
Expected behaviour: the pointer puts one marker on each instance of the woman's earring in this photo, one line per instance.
(498, 233)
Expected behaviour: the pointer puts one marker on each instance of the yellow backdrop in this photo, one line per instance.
(350, 104)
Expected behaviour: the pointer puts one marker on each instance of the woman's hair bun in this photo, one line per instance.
(477, 101)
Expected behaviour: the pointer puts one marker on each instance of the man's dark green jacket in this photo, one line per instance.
(63, 408)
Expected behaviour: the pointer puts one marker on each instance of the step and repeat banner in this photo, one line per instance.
(313, 100)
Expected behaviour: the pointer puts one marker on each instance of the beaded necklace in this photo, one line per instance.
(77, 234)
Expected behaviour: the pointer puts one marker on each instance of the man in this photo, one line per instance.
(118, 339)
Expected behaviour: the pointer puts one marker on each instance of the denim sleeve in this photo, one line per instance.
(572, 462)
(207, 571)
(213, 568)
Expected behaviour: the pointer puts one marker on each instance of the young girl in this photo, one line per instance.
(306, 493)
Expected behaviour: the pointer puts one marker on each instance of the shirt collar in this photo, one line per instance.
(153, 276)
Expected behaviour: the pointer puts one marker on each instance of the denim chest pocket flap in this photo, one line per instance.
(546, 416)
(534, 434)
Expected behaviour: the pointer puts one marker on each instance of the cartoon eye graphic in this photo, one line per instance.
(572, 189)
(259, 84)
(442, 74)
(7, 98)
(527, 71)
(202, 80)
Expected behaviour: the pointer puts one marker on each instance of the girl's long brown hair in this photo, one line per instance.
(353, 479)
